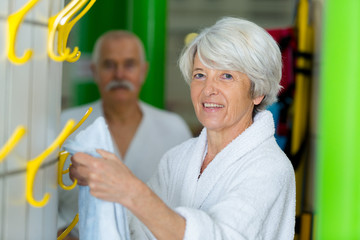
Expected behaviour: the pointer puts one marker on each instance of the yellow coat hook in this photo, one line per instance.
(12, 142)
(53, 25)
(13, 22)
(69, 228)
(82, 120)
(66, 26)
(189, 38)
(64, 154)
(62, 158)
(34, 164)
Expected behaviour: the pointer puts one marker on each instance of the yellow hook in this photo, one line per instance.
(62, 158)
(66, 26)
(33, 166)
(12, 142)
(189, 38)
(64, 154)
(53, 25)
(13, 22)
(69, 228)
(82, 120)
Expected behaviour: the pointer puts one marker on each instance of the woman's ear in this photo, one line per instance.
(258, 100)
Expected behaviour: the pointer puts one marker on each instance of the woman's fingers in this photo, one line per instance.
(107, 155)
(80, 173)
(107, 177)
(79, 168)
(81, 158)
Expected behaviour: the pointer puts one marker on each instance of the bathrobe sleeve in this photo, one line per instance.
(243, 212)
(252, 200)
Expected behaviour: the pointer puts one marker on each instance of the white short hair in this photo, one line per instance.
(238, 45)
(114, 35)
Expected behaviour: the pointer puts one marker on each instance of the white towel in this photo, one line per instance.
(98, 219)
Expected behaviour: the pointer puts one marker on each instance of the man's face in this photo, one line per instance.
(120, 70)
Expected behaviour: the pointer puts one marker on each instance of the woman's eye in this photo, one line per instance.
(199, 76)
(227, 76)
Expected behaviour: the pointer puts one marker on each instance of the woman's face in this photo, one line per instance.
(221, 98)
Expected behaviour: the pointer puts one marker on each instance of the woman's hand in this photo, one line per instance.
(108, 177)
(79, 168)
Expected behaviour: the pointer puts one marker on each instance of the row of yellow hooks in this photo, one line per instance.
(33, 165)
(61, 23)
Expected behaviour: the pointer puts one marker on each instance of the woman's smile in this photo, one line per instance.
(212, 107)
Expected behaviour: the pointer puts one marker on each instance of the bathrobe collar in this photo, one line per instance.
(197, 189)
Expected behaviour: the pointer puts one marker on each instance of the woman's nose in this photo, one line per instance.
(210, 88)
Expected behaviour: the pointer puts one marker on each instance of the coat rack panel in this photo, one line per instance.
(15, 210)
(19, 110)
(4, 8)
(30, 95)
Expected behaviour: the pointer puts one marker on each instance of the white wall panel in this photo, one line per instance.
(54, 89)
(30, 95)
(51, 210)
(2, 205)
(3, 104)
(41, 96)
(40, 13)
(34, 220)
(20, 93)
(4, 7)
(44, 94)
(15, 210)
(56, 6)
(3, 89)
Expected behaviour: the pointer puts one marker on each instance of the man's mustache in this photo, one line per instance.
(120, 84)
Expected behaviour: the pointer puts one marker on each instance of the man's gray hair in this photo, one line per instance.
(115, 34)
(238, 45)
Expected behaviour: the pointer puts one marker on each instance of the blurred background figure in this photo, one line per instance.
(141, 133)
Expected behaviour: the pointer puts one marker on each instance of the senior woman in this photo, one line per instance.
(231, 182)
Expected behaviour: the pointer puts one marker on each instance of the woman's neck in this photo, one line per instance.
(217, 140)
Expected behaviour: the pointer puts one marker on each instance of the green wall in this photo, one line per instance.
(147, 19)
(338, 169)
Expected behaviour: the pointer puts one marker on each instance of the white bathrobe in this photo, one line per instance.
(246, 192)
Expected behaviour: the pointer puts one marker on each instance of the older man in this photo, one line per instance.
(141, 133)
